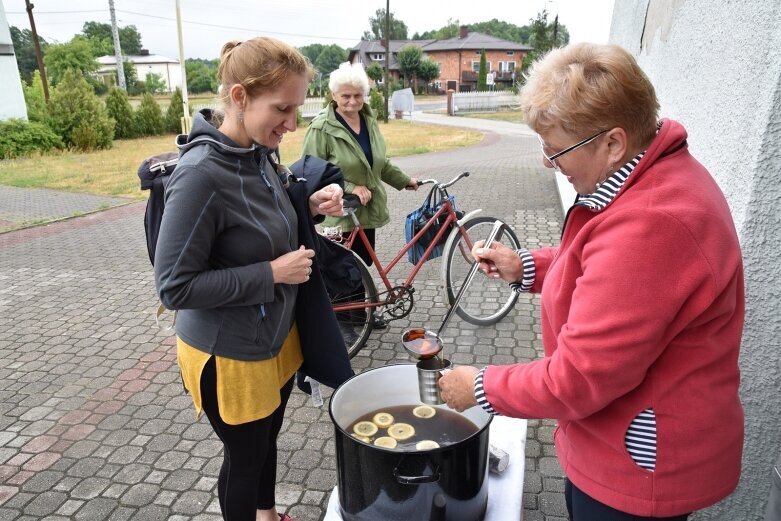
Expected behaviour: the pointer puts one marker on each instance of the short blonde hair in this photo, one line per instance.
(584, 88)
(259, 65)
(349, 74)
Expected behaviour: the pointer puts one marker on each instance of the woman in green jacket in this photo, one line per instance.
(346, 134)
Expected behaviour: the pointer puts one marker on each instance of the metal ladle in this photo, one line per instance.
(412, 339)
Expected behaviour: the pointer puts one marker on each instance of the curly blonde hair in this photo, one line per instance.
(584, 88)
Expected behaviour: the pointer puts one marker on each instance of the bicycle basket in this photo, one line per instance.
(418, 218)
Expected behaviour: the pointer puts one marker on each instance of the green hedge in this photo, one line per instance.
(20, 138)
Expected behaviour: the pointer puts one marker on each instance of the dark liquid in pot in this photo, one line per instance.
(424, 346)
(445, 427)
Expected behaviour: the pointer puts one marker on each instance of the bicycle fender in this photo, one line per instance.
(468, 216)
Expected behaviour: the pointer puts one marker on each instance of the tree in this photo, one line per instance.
(312, 51)
(330, 58)
(448, 31)
(24, 48)
(398, 29)
(154, 84)
(102, 41)
(75, 55)
(375, 71)
(77, 115)
(428, 71)
(174, 113)
(409, 59)
(121, 112)
(201, 75)
(34, 99)
(541, 35)
(149, 117)
(482, 73)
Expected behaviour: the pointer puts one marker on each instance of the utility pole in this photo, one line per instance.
(117, 48)
(38, 54)
(185, 102)
(387, 55)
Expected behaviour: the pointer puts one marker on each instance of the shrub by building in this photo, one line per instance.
(149, 117)
(78, 116)
(121, 111)
(21, 138)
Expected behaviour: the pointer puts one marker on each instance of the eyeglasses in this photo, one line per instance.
(552, 159)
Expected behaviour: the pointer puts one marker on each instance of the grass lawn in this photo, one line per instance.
(113, 172)
(513, 116)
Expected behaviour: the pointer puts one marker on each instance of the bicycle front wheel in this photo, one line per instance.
(486, 300)
(356, 324)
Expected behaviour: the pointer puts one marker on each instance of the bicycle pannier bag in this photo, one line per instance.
(418, 218)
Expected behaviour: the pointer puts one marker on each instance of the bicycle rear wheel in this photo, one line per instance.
(486, 300)
(356, 324)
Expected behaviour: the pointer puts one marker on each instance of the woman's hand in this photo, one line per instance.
(363, 193)
(498, 261)
(294, 267)
(457, 387)
(413, 184)
(327, 201)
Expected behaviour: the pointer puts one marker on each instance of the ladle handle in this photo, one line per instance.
(491, 236)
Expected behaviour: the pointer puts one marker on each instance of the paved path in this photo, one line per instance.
(93, 421)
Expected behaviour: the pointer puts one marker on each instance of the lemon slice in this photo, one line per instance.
(361, 438)
(386, 441)
(365, 428)
(401, 431)
(426, 445)
(383, 420)
(424, 411)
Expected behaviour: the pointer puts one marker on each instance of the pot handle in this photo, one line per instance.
(414, 480)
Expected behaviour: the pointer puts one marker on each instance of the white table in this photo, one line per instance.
(505, 491)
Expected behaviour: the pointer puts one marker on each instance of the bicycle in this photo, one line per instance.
(483, 303)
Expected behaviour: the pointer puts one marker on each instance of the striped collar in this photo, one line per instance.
(609, 188)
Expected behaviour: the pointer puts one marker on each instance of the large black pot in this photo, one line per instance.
(445, 484)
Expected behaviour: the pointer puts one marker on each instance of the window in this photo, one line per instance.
(506, 66)
(377, 56)
(475, 66)
(510, 53)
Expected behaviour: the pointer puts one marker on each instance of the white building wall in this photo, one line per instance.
(11, 95)
(716, 65)
(171, 73)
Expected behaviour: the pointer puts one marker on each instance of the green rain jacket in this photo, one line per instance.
(327, 139)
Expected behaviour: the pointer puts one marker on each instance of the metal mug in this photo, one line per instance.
(429, 373)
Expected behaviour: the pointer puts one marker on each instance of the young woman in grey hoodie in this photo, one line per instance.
(229, 259)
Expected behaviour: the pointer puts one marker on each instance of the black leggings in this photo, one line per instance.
(582, 507)
(249, 467)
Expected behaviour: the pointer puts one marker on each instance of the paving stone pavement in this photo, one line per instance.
(94, 424)
(28, 206)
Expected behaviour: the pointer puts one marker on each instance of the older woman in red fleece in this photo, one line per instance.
(642, 302)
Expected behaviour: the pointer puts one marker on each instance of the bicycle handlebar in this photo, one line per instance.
(352, 202)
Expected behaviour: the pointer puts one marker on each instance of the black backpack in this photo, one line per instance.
(154, 173)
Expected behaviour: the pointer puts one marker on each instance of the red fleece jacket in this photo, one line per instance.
(642, 307)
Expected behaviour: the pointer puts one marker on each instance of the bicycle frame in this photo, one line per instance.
(357, 232)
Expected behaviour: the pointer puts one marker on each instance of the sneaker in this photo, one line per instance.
(378, 322)
(348, 333)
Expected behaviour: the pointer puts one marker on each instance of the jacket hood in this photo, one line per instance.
(204, 131)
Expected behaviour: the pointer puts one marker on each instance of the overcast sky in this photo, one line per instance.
(207, 24)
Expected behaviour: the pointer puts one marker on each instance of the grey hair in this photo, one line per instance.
(349, 74)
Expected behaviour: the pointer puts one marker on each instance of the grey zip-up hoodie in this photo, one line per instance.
(227, 215)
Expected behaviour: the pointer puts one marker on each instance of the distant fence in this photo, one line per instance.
(311, 107)
(485, 101)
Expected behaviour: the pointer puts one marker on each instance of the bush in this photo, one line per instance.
(73, 105)
(149, 117)
(174, 114)
(21, 138)
(377, 103)
(120, 110)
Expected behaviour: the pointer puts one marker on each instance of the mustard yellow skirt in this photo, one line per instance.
(246, 390)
